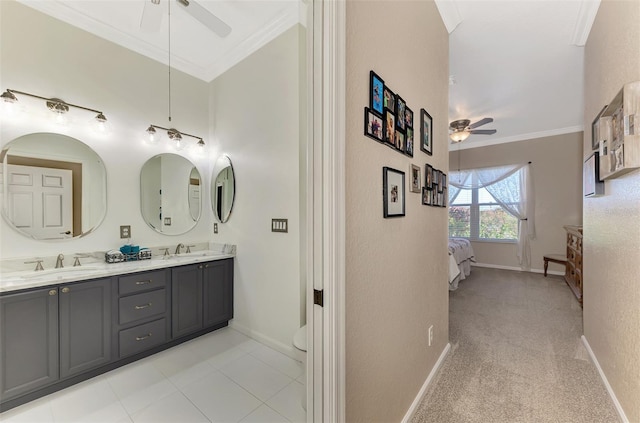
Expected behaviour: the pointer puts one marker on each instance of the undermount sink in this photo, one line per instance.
(28, 275)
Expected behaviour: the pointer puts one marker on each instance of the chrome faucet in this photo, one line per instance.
(59, 260)
(178, 247)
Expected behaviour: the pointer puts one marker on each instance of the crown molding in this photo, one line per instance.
(584, 22)
(449, 13)
(516, 138)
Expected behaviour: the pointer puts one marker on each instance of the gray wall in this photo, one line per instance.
(611, 222)
(396, 274)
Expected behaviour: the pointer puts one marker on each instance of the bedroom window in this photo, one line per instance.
(475, 214)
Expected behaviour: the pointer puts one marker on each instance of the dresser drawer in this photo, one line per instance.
(142, 282)
(143, 337)
(141, 306)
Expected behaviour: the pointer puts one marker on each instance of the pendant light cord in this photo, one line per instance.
(169, 4)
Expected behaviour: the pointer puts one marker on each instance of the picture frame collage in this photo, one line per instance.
(434, 191)
(388, 119)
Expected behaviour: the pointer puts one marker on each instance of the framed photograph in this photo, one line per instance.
(373, 125)
(595, 131)
(428, 176)
(400, 141)
(389, 99)
(408, 117)
(389, 131)
(444, 181)
(415, 178)
(376, 93)
(409, 139)
(400, 112)
(393, 192)
(426, 196)
(592, 185)
(426, 132)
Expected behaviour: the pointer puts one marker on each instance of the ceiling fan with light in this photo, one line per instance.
(152, 16)
(462, 128)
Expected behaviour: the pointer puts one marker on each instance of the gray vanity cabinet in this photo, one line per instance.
(28, 341)
(218, 292)
(186, 298)
(85, 326)
(202, 296)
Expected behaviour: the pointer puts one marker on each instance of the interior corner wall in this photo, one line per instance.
(255, 113)
(611, 230)
(556, 167)
(47, 57)
(396, 268)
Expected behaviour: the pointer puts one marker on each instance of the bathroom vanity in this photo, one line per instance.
(56, 330)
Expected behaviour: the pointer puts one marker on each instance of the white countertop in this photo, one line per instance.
(17, 280)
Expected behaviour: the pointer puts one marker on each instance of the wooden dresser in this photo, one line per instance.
(573, 272)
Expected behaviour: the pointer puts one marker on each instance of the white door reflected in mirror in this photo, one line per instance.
(170, 194)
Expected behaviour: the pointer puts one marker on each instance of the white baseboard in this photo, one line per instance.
(288, 350)
(416, 402)
(612, 394)
(517, 269)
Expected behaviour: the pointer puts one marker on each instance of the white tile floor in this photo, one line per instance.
(223, 376)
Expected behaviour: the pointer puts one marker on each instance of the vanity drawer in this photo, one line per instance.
(142, 282)
(143, 337)
(141, 306)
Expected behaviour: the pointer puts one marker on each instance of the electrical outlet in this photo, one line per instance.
(215, 228)
(125, 231)
(430, 335)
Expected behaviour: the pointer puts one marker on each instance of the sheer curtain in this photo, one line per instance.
(512, 188)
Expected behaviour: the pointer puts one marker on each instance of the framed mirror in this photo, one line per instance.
(170, 194)
(223, 189)
(55, 185)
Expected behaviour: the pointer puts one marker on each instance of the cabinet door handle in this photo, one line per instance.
(140, 307)
(200, 267)
(142, 338)
(143, 282)
(65, 290)
(206, 266)
(53, 292)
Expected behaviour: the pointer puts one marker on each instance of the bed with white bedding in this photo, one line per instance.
(460, 257)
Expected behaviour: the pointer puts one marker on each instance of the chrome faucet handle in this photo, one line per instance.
(166, 252)
(77, 258)
(189, 248)
(38, 264)
(178, 247)
(59, 261)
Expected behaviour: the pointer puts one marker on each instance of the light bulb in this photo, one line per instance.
(179, 144)
(200, 147)
(151, 135)
(101, 125)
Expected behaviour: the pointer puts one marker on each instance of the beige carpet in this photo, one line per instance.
(516, 355)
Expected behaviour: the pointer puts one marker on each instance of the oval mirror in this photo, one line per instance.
(223, 189)
(55, 185)
(170, 194)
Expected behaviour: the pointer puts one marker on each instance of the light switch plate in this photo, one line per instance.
(280, 225)
(125, 231)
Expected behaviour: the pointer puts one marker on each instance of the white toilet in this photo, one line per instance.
(300, 342)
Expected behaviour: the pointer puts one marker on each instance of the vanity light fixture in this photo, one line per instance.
(58, 107)
(174, 135)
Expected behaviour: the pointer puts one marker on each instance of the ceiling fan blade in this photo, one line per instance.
(483, 131)
(205, 17)
(481, 122)
(151, 17)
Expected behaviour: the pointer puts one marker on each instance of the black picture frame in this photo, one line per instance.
(393, 192)
(389, 128)
(373, 125)
(426, 196)
(400, 140)
(426, 132)
(595, 130)
(401, 107)
(389, 99)
(428, 176)
(376, 91)
(408, 117)
(410, 142)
